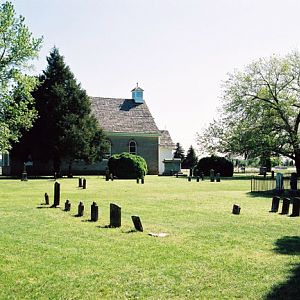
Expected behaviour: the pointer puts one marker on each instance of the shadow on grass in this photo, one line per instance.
(288, 245)
(266, 194)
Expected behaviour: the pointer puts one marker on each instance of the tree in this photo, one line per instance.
(65, 128)
(17, 48)
(179, 152)
(191, 159)
(260, 111)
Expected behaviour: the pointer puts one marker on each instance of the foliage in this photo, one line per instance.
(65, 128)
(126, 165)
(17, 48)
(179, 152)
(190, 160)
(261, 111)
(219, 164)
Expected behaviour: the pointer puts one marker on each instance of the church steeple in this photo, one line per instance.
(137, 94)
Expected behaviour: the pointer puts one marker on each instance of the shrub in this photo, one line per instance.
(219, 164)
(126, 165)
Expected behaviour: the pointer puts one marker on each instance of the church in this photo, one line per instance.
(129, 127)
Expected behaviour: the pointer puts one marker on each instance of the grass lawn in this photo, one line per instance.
(46, 253)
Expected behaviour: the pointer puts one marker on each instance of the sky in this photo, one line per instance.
(179, 51)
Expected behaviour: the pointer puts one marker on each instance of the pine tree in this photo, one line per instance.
(65, 128)
(179, 152)
(191, 159)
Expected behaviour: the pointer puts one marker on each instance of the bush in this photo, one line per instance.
(126, 165)
(219, 164)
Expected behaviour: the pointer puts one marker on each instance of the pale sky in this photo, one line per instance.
(179, 51)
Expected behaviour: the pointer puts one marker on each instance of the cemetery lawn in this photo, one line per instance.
(46, 253)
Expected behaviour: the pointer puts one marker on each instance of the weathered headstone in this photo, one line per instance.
(79, 182)
(94, 212)
(202, 176)
(56, 194)
(80, 209)
(137, 223)
(142, 180)
(46, 199)
(236, 209)
(293, 181)
(189, 178)
(218, 177)
(115, 215)
(67, 205)
(275, 204)
(197, 178)
(212, 175)
(84, 183)
(285, 206)
(24, 174)
(279, 182)
(296, 207)
(107, 174)
(137, 180)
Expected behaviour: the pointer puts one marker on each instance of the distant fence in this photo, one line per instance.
(264, 184)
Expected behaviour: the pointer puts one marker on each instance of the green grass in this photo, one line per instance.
(209, 253)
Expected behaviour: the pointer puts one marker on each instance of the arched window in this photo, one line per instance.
(107, 154)
(132, 147)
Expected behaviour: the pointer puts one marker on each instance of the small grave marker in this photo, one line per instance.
(79, 182)
(202, 176)
(56, 194)
(115, 215)
(142, 180)
(285, 206)
(80, 209)
(67, 205)
(46, 199)
(296, 207)
(137, 180)
(197, 178)
(94, 212)
(84, 183)
(137, 223)
(275, 204)
(236, 209)
(212, 175)
(189, 178)
(218, 177)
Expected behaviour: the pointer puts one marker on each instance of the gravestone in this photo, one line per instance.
(296, 207)
(293, 182)
(202, 176)
(189, 178)
(107, 174)
(236, 209)
(67, 205)
(94, 212)
(80, 182)
(46, 199)
(115, 215)
(80, 209)
(212, 175)
(197, 178)
(142, 180)
(56, 194)
(285, 206)
(279, 183)
(24, 174)
(275, 204)
(84, 183)
(191, 172)
(137, 223)
(218, 177)
(111, 177)
(137, 180)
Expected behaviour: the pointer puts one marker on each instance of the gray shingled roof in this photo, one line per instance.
(123, 116)
(165, 139)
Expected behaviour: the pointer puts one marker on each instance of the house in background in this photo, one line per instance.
(130, 127)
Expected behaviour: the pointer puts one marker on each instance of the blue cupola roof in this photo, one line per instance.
(137, 94)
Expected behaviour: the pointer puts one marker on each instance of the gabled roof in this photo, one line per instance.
(123, 116)
(165, 139)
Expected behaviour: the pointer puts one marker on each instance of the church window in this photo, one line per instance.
(132, 147)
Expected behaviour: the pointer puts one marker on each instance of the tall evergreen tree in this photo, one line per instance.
(179, 152)
(65, 128)
(191, 159)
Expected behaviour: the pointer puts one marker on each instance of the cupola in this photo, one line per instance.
(137, 94)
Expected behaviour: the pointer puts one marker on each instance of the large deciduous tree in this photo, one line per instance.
(17, 49)
(260, 113)
(65, 129)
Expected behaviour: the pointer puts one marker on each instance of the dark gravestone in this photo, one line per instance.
(137, 180)
(275, 204)
(94, 212)
(218, 177)
(296, 207)
(189, 178)
(84, 183)
(143, 180)
(115, 215)
(137, 223)
(80, 182)
(80, 209)
(202, 176)
(212, 175)
(67, 205)
(107, 175)
(285, 206)
(293, 182)
(191, 172)
(197, 178)
(236, 209)
(24, 174)
(56, 194)
(46, 199)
